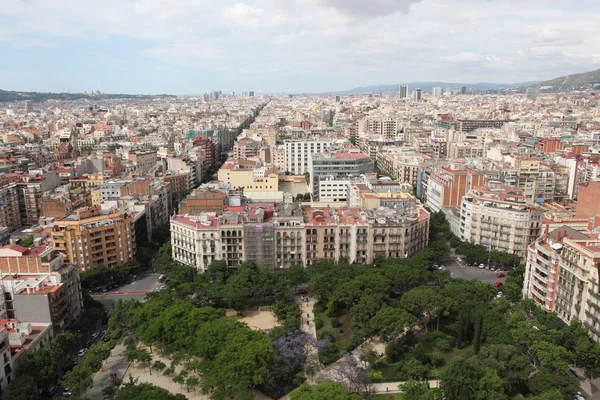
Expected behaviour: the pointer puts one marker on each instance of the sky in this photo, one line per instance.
(296, 46)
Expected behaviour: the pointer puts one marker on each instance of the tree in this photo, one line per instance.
(552, 394)
(192, 382)
(545, 381)
(553, 357)
(23, 387)
(159, 365)
(392, 323)
(477, 334)
(418, 390)
(460, 380)
(351, 374)
(168, 372)
(79, 379)
(512, 366)
(368, 357)
(145, 391)
(242, 361)
(426, 302)
(307, 177)
(327, 390)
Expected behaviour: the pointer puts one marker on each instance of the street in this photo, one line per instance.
(472, 273)
(146, 282)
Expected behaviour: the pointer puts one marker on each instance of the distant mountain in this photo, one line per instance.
(428, 86)
(577, 80)
(9, 96)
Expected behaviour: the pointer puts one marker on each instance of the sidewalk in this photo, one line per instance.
(115, 363)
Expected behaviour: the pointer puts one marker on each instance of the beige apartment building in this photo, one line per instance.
(283, 235)
(562, 275)
(500, 219)
(91, 237)
(144, 160)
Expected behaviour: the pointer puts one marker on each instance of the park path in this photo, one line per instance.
(392, 387)
(116, 363)
(308, 315)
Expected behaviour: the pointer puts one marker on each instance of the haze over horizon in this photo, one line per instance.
(190, 47)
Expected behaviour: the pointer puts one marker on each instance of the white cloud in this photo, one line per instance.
(335, 42)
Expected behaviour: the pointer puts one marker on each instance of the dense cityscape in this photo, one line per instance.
(300, 200)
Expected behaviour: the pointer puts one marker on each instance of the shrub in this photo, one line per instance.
(420, 354)
(437, 360)
(376, 376)
(443, 345)
(323, 333)
(394, 352)
(336, 323)
(318, 321)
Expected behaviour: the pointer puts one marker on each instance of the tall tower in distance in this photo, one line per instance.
(403, 91)
(417, 94)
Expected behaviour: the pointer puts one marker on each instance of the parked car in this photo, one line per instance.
(82, 352)
(493, 268)
(488, 267)
(499, 294)
(162, 287)
(481, 266)
(66, 393)
(498, 284)
(500, 275)
(474, 264)
(302, 291)
(95, 334)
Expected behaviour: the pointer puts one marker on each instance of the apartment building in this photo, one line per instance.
(500, 219)
(203, 200)
(259, 182)
(562, 275)
(39, 286)
(91, 237)
(330, 174)
(9, 206)
(209, 150)
(297, 153)
(246, 148)
(402, 166)
(144, 160)
(285, 235)
(446, 187)
(388, 127)
(528, 171)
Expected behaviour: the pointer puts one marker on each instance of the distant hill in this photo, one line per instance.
(577, 80)
(9, 96)
(428, 86)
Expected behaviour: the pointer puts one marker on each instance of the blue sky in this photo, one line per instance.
(195, 46)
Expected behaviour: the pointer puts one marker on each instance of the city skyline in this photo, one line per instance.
(181, 47)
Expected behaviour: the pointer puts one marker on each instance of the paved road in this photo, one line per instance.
(116, 363)
(472, 273)
(145, 283)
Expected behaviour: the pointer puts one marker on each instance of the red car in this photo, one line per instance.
(500, 275)
(497, 284)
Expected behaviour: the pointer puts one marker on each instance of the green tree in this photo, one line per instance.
(192, 382)
(512, 366)
(327, 390)
(418, 390)
(392, 323)
(425, 302)
(552, 394)
(460, 380)
(241, 363)
(545, 381)
(79, 379)
(168, 372)
(477, 334)
(23, 387)
(551, 356)
(145, 391)
(159, 365)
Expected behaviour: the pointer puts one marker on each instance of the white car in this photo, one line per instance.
(82, 352)
(499, 294)
(481, 266)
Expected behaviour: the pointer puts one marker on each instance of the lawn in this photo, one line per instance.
(342, 334)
